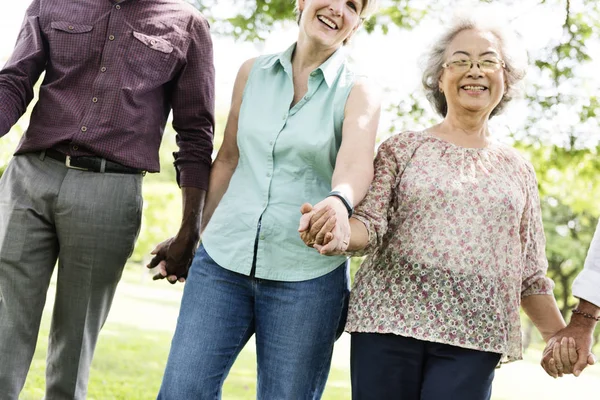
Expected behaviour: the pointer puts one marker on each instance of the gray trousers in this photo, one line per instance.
(89, 222)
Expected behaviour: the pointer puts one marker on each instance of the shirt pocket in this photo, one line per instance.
(69, 42)
(150, 57)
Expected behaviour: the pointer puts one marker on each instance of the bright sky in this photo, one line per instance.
(390, 60)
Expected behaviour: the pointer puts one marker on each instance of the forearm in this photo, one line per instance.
(586, 323)
(544, 313)
(220, 175)
(193, 203)
(359, 236)
(353, 179)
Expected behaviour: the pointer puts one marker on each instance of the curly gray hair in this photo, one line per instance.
(513, 54)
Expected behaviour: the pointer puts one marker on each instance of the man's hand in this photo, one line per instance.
(568, 351)
(173, 257)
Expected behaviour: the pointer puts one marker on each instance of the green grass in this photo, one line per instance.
(129, 364)
(134, 344)
(129, 360)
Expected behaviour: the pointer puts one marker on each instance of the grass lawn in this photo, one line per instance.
(134, 344)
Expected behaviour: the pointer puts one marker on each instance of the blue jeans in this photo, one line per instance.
(393, 367)
(295, 325)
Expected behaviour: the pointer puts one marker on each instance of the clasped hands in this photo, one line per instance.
(568, 352)
(325, 226)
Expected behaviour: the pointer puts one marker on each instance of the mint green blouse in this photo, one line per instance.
(287, 157)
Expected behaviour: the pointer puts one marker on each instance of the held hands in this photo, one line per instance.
(568, 352)
(325, 226)
(173, 258)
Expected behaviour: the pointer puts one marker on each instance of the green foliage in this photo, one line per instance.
(256, 19)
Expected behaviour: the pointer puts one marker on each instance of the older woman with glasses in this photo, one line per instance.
(453, 228)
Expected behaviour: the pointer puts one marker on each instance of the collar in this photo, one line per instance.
(329, 68)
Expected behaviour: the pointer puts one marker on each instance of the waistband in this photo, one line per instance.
(90, 163)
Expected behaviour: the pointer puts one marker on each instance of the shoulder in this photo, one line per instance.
(188, 15)
(246, 67)
(366, 91)
(401, 145)
(404, 139)
(516, 158)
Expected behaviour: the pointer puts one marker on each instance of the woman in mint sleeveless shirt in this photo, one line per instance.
(301, 128)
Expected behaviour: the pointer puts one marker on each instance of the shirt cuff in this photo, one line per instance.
(587, 286)
(193, 175)
(366, 250)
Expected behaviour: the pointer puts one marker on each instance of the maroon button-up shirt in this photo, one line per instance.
(114, 70)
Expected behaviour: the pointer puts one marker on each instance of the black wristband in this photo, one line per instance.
(344, 200)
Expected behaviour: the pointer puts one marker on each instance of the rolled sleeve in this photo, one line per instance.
(193, 103)
(533, 241)
(587, 284)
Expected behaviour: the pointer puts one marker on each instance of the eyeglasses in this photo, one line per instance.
(488, 65)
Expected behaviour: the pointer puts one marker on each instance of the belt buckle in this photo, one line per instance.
(68, 164)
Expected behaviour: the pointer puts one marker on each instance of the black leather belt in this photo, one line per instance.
(92, 164)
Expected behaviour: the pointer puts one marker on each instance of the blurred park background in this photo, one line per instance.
(555, 124)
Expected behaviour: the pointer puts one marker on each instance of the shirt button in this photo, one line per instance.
(84, 129)
(111, 37)
(284, 117)
(268, 174)
(103, 69)
(94, 100)
(75, 147)
(262, 237)
(71, 27)
(118, 7)
(271, 143)
(314, 73)
(152, 42)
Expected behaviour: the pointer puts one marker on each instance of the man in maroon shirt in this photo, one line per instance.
(113, 72)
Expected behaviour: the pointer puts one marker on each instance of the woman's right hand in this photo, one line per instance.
(316, 226)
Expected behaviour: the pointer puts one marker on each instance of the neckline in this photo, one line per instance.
(450, 144)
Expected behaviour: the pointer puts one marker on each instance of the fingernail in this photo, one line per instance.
(576, 373)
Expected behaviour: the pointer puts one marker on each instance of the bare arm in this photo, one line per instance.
(544, 313)
(353, 171)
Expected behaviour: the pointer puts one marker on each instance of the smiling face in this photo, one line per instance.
(471, 85)
(330, 22)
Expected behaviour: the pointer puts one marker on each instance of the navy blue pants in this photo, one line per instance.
(386, 367)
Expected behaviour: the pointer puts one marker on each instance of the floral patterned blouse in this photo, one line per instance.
(455, 241)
